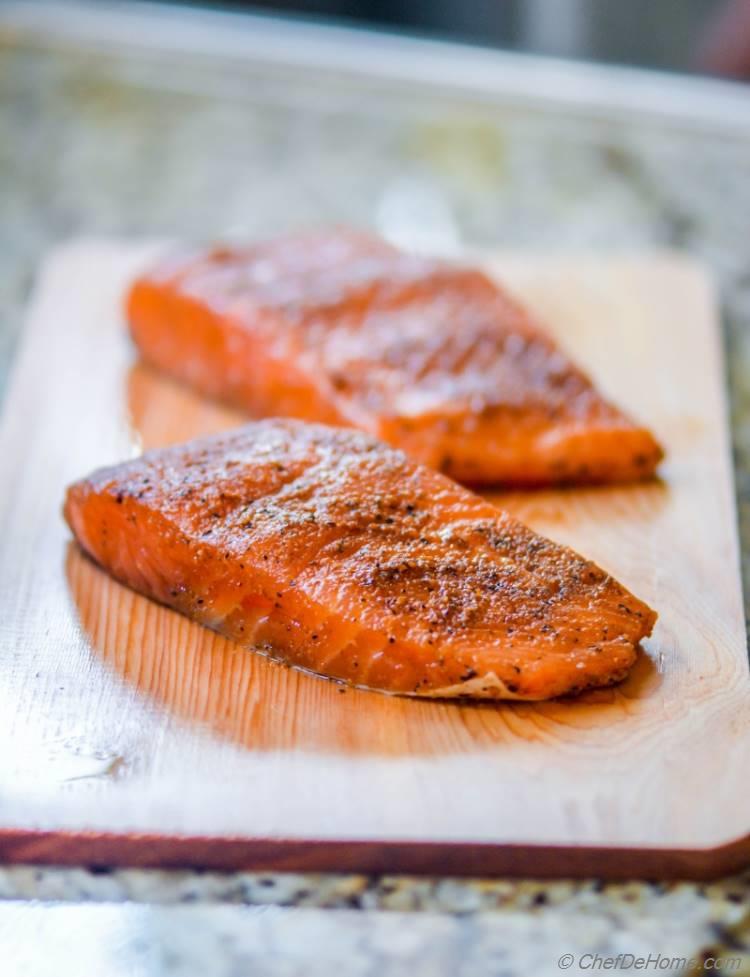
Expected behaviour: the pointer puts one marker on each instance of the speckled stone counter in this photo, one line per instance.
(127, 140)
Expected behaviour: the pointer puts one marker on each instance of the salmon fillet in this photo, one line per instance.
(334, 552)
(434, 358)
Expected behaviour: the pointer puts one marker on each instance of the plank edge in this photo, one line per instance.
(458, 859)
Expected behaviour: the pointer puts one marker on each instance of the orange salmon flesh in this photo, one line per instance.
(341, 328)
(332, 551)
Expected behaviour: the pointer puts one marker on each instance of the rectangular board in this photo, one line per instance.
(132, 736)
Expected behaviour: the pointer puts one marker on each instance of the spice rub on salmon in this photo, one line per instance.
(436, 359)
(334, 552)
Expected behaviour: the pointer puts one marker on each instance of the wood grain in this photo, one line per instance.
(136, 737)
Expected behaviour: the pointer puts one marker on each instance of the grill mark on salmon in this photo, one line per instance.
(434, 358)
(336, 553)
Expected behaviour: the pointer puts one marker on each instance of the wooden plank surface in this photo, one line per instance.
(133, 736)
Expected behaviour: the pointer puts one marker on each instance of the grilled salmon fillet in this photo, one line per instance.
(334, 552)
(434, 358)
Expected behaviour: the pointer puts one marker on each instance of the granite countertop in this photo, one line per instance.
(124, 138)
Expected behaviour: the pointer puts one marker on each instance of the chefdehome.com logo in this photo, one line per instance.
(654, 962)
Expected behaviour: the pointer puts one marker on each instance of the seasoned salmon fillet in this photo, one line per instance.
(434, 358)
(334, 552)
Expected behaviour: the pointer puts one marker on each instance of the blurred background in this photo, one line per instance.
(706, 36)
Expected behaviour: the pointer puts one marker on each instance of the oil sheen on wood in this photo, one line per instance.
(131, 735)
